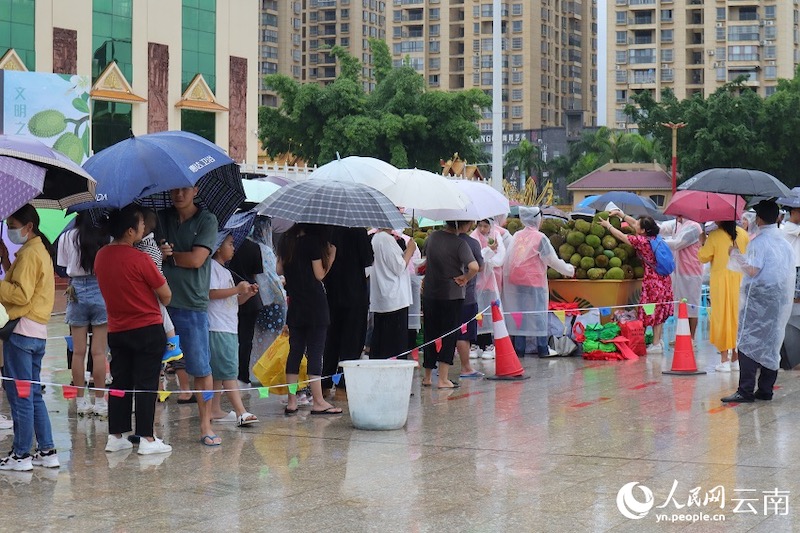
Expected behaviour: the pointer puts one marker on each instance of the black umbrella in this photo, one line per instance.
(790, 351)
(737, 181)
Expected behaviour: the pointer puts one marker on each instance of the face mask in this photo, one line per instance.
(15, 236)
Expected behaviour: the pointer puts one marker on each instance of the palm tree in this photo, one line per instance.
(527, 158)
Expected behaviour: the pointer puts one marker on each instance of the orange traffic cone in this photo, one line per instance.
(683, 363)
(507, 365)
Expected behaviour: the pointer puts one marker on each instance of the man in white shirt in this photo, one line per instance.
(390, 295)
(791, 231)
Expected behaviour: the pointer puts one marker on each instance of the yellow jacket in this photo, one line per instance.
(29, 287)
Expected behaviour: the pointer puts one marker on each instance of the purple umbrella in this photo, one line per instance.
(65, 183)
(20, 182)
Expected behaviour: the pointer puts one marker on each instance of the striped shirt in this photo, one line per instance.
(149, 246)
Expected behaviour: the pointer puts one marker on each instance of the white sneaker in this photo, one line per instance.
(723, 367)
(303, 400)
(100, 407)
(474, 352)
(6, 423)
(488, 353)
(115, 444)
(109, 379)
(84, 406)
(655, 348)
(157, 446)
(18, 464)
(48, 459)
(735, 366)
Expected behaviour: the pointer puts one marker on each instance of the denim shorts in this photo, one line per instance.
(192, 327)
(90, 309)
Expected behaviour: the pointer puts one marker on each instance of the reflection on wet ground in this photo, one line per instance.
(547, 454)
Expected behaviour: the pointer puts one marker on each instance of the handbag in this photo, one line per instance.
(8, 329)
(563, 344)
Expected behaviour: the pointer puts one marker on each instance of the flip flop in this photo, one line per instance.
(230, 417)
(455, 385)
(475, 374)
(328, 411)
(289, 412)
(208, 440)
(193, 399)
(427, 384)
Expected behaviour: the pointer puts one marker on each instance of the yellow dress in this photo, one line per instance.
(724, 289)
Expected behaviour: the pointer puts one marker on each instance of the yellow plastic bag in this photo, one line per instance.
(270, 369)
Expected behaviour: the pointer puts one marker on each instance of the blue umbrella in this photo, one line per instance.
(588, 200)
(239, 225)
(630, 204)
(144, 169)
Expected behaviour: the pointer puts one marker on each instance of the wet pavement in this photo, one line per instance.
(547, 454)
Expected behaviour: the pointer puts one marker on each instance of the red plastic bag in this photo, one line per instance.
(633, 330)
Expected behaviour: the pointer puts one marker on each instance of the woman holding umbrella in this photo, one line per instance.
(28, 294)
(656, 289)
(724, 290)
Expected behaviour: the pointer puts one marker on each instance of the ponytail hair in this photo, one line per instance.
(28, 214)
(729, 227)
(649, 226)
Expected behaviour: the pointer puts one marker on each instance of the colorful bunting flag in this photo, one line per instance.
(69, 392)
(415, 354)
(438, 345)
(23, 388)
(68, 339)
(517, 319)
(163, 395)
(605, 311)
(561, 314)
(479, 318)
(463, 328)
(292, 388)
(649, 309)
(263, 392)
(336, 378)
(116, 393)
(208, 395)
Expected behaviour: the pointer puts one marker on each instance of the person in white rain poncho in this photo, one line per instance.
(525, 290)
(490, 279)
(683, 238)
(765, 304)
(791, 232)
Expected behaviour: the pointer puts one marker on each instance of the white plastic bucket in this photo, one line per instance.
(378, 392)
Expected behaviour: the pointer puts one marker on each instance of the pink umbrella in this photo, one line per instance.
(702, 206)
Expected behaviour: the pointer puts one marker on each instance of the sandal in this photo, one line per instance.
(289, 412)
(329, 411)
(210, 440)
(246, 419)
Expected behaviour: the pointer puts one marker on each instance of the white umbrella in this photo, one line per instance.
(484, 202)
(257, 190)
(417, 189)
(355, 169)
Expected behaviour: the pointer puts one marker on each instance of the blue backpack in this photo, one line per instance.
(665, 263)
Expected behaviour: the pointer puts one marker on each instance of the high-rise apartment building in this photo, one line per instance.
(549, 65)
(549, 50)
(296, 38)
(695, 46)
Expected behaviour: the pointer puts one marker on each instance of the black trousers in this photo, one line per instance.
(747, 378)
(441, 316)
(246, 330)
(346, 336)
(136, 364)
(308, 341)
(390, 334)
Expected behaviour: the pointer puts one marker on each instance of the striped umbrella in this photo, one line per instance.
(334, 203)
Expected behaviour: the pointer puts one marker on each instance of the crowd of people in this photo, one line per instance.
(168, 287)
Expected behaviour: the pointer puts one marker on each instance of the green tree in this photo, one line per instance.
(526, 157)
(596, 148)
(400, 121)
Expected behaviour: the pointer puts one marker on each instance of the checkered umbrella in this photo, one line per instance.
(332, 202)
(239, 225)
(220, 191)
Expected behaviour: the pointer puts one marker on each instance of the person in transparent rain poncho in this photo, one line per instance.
(272, 315)
(490, 280)
(765, 305)
(683, 238)
(525, 288)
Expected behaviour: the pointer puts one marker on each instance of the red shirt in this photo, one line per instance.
(128, 279)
